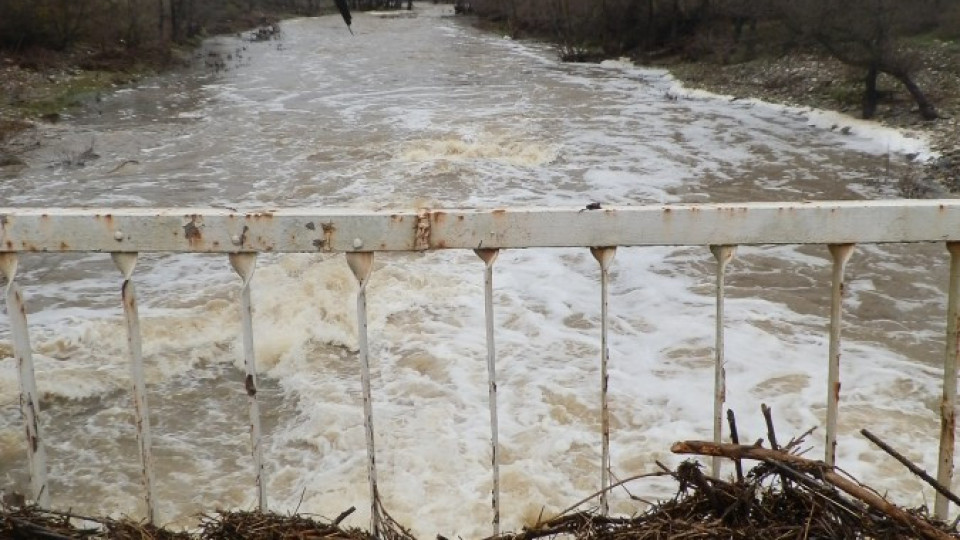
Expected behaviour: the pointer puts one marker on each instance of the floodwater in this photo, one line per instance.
(429, 112)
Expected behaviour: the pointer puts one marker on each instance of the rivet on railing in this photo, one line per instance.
(118, 236)
(604, 256)
(361, 264)
(29, 402)
(841, 254)
(723, 255)
(126, 262)
(245, 264)
(489, 256)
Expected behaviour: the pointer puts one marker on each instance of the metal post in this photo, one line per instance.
(126, 262)
(841, 254)
(361, 264)
(489, 256)
(948, 405)
(604, 256)
(29, 402)
(723, 255)
(245, 264)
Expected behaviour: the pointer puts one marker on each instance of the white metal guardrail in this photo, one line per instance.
(359, 234)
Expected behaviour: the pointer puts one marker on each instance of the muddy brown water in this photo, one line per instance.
(427, 111)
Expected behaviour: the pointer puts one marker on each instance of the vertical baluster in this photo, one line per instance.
(948, 405)
(841, 254)
(245, 264)
(723, 255)
(126, 262)
(29, 402)
(604, 256)
(361, 264)
(489, 256)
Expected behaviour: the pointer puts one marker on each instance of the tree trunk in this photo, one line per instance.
(752, 37)
(927, 110)
(174, 20)
(651, 25)
(674, 19)
(738, 23)
(163, 20)
(193, 25)
(870, 95)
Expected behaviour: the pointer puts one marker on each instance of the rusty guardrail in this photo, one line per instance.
(359, 234)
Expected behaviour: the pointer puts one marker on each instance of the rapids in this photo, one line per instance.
(427, 111)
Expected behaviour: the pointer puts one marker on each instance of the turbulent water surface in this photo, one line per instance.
(426, 111)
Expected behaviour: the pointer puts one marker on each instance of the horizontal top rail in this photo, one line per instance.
(358, 233)
(213, 230)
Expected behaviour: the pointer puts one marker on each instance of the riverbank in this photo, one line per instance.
(812, 79)
(40, 87)
(819, 82)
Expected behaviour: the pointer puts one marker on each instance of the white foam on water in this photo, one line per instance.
(486, 147)
(866, 135)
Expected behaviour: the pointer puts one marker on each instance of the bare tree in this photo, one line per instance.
(67, 20)
(867, 34)
(164, 26)
(20, 24)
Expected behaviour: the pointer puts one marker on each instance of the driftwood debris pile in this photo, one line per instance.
(268, 526)
(778, 499)
(21, 522)
(784, 496)
(32, 523)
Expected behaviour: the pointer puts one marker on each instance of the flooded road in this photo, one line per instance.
(429, 112)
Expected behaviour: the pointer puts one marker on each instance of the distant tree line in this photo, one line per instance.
(868, 34)
(131, 24)
(380, 4)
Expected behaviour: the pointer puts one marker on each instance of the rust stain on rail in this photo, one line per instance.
(422, 232)
(260, 216)
(191, 230)
(326, 244)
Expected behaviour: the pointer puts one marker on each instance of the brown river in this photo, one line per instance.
(426, 111)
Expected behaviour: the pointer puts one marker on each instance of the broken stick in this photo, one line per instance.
(943, 490)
